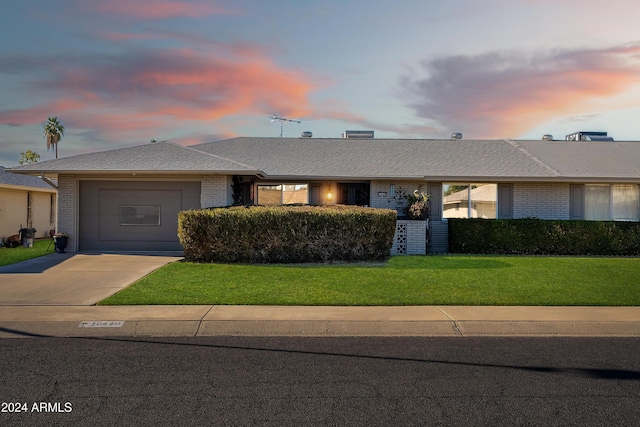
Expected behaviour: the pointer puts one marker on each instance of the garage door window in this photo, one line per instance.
(140, 215)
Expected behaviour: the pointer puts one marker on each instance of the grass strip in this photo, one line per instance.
(403, 280)
(14, 255)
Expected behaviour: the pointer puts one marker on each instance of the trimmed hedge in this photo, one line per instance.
(286, 234)
(544, 237)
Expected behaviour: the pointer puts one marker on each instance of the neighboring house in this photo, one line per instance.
(26, 201)
(127, 199)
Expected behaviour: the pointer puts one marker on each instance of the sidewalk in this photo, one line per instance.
(55, 295)
(192, 321)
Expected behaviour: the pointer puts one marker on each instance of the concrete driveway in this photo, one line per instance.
(73, 279)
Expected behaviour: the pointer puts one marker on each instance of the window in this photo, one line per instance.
(469, 200)
(283, 194)
(139, 215)
(612, 202)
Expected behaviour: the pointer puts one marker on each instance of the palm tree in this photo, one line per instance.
(53, 132)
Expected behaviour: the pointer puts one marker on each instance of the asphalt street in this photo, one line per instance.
(320, 381)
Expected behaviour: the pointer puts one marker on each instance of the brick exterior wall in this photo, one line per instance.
(67, 202)
(394, 201)
(410, 238)
(215, 191)
(541, 200)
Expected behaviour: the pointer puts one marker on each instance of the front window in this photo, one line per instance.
(612, 202)
(469, 200)
(283, 194)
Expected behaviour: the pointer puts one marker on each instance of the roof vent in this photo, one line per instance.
(547, 137)
(358, 134)
(456, 135)
(588, 136)
(306, 134)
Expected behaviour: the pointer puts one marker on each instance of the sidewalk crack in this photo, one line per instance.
(455, 323)
(202, 320)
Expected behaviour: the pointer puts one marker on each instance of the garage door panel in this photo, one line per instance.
(115, 224)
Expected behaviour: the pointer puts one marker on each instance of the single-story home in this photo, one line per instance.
(127, 199)
(26, 201)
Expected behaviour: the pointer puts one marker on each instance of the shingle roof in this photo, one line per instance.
(338, 158)
(377, 158)
(8, 179)
(583, 159)
(434, 159)
(156, 157)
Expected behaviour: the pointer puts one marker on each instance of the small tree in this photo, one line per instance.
(28, 157)
(53, 133)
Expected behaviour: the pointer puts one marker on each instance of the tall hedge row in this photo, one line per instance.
(284, 234)
(543, 237)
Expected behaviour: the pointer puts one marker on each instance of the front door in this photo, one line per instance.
(353, 193)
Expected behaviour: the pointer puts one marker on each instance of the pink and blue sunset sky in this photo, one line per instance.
(122, 72)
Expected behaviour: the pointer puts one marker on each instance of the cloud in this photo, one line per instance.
(144, 90)
(157, 9)
(503, 94)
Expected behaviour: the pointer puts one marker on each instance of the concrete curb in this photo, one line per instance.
(192, 321)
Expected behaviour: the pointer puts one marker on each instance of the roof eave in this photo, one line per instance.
(138, 172)
(554, 179)
(27, 188)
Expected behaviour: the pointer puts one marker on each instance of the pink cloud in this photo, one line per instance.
(121, 37)
(38, 114)
(158, 9)
(503, 94)
(152, 90)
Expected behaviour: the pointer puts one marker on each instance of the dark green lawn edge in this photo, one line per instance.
(403, 280)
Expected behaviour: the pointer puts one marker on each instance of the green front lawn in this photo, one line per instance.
(13, 255)
(403, 280)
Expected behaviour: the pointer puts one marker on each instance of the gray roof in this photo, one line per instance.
(584, 159)
(498, 160)
(165, 157)
(13, 180)
(338, 158)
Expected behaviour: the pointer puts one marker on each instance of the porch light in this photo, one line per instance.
(329, 195)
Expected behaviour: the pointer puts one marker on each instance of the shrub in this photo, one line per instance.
(417, 206)
(544, 237)
(286, 234)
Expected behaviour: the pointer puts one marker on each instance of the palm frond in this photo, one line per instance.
(53, 132)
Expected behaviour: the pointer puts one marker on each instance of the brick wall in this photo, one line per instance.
(410, 238)
(541, 200)
(215, 191)
(394, 201)
(67, 201)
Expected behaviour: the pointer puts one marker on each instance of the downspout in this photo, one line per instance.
(48, 181)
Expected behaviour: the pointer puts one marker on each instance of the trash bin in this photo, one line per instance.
(26, 237)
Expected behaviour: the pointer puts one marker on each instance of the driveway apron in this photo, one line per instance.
(74, 279)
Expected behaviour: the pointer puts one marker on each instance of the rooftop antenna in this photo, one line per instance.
(277, 119)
